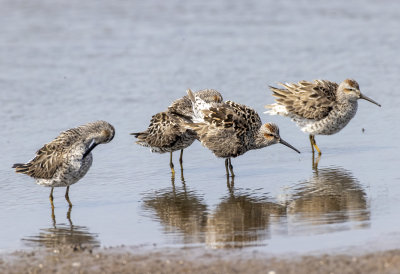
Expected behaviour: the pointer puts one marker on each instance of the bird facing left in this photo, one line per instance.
(66, 159)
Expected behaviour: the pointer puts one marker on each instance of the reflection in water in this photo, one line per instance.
(332, 195)
(241, 220)
(178, 208)
(332, 200)
(63, 235)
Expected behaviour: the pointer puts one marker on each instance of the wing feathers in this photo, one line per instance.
(310, 100)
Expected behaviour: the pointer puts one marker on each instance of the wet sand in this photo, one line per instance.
(76, 259)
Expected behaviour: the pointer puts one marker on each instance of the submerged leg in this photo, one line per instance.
(231, 168)
(53, 217)
(51, 198)
(69, 216)
(182, 177)
(315, 162)
(171, 164)
(226, 167)
(180, 158)
(67, 196)
(230, 183)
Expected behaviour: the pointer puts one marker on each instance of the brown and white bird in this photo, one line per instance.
(320, 107)
(66, 159)
(230, 129)
(164, 134)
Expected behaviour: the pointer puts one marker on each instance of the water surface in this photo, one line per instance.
(64, 64)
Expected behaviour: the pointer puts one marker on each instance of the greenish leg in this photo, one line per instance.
(67, 196)
(312, 143)
(171, 164)
(51, 198)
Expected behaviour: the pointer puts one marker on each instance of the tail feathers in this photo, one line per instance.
(141, 138)
(136, 134)
(280, 92)
(21, 168)
(17, 165)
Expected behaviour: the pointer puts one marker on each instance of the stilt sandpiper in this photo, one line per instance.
(66, 159)
(318, 108)
(230, 129)
(164, 134)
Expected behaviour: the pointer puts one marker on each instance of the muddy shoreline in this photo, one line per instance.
(78, 259)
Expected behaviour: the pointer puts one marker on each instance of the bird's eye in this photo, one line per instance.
(268, 135)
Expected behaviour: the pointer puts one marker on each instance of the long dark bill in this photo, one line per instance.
(362, 96)
(89, 150)
(288, 145)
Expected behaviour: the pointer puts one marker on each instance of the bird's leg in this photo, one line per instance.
(180, 158)
(316, 147)
(231, 168)
(53, 217)
(226, 167)
(67, 197)
(315, 163)
(51, 199)
(69, 216)
(182, 177)
(312, 143)
(171, 165)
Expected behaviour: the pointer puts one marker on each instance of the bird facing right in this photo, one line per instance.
(66, 159)
(320, 107)
(230, 129)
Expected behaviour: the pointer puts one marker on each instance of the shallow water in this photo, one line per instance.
(64, 64)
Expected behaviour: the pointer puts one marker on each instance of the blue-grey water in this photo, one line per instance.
(66, 63)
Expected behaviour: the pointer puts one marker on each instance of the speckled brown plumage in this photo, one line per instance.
(320, 107)
(310, 100)
(230, 129)
(164, 134)
(67, 158)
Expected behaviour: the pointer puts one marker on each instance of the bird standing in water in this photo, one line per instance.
(230, 129)
(66, 159)
(164, 134)
(320, 107)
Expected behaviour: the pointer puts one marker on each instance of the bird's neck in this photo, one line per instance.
(260, 141)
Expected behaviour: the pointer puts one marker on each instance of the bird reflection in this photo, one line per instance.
(241, 220)
(332, 195)
(63, 235)
(179, 208)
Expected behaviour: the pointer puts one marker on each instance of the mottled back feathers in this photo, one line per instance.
(310, 100)
(54, 154)
(227, 130)
(162, 132)
(165, 133)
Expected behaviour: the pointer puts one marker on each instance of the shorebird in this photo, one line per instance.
(164, 134)
(230, 129)
(318, 108)
(66, 159)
